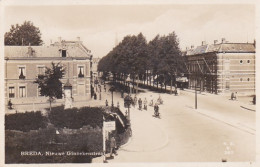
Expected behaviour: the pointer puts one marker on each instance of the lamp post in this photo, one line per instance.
(128, 80)
(99, 86)
(112, 89)
(127, 102)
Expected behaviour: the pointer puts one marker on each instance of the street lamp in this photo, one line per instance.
(112, 89)
(127, 104)
(128, 80)
(99, 91)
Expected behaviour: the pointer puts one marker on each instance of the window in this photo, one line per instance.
(22, 91)
(248, 61)
(248, 79)
(64, 53)
(80, 71)
(11, 92)
(241, 79)
(21, 72)
(41, 71)
(241, 61)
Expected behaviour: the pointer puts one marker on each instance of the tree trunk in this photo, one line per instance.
(164, 84)
(137, 84)
(50, 103)
(171, 84)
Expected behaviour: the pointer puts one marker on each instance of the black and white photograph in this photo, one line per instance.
(129, 82)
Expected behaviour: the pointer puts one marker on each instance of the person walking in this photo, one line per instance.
(140, 104)
(135, 100)
(106, 103)
(112, 146)
(156, 110)
(145, 103)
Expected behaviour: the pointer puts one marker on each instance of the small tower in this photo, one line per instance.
(68, 95)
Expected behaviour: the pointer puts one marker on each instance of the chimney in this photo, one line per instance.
(254, 42)
(215, 42)
(223, 40)
(203, 43)
(30, 51)
(192, 46)
(50, 42)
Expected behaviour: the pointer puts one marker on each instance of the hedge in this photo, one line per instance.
(76, 118)
(25, 121)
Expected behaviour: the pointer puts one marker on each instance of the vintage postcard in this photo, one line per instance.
(168, 83)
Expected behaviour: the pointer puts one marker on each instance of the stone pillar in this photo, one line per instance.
(68, 95)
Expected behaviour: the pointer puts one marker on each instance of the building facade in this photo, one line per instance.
(222, 67)
(95, 71)
(23, 64)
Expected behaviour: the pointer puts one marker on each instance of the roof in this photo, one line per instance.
(223, 48)
(74, 49)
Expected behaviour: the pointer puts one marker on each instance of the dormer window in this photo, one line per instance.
(21, 72)
(80, 71)
(64, 53)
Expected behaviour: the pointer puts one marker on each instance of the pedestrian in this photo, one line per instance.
(95, 96)
(151, 103)
(106, 103)
(140, 103)
(156, 109)
(112, 146)
(122, 94)
(105, 87)
(145, 103)
(233, 96)
(135, 100)
(10, 104)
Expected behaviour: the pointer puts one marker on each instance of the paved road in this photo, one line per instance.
(219, 129)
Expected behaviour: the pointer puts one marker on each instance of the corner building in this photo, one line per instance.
(23, 64)
(222, 68)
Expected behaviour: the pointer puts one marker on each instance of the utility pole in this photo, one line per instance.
(196, 103)
(104, 141)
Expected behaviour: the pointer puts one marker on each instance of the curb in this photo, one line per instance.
(248, 108)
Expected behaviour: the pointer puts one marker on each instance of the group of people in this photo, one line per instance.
(142, 104)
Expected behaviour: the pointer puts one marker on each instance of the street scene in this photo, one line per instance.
(128, 83)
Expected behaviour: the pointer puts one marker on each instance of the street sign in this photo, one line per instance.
(109, 126)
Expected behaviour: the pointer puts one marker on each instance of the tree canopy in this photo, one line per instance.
(133, 55)
(25, 34)
(49, 83)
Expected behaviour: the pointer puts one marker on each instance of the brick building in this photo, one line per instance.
(23, 64)
(222, 67)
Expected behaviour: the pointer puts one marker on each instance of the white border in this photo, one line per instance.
(124, 2)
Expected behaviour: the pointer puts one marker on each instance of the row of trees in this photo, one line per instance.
(158, 60)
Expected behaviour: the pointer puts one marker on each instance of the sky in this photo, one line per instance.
(100, 26)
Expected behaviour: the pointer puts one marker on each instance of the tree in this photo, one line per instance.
(25, 34)
(50, 84)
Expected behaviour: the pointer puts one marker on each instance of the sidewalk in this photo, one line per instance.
(155, 137)
(239, 113)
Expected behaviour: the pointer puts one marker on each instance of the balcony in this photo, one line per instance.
(21, 76)
(11, 95)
